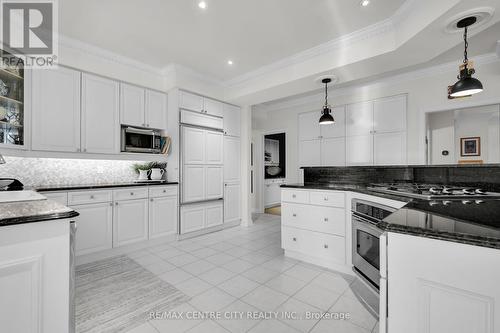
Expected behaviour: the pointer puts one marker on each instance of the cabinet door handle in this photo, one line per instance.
(111, 204)
(116, 203)
(325, 198)
(326, 219)
(325, 246)
(294, 239)
(294, 215)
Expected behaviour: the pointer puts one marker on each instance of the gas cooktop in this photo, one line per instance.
(432, 192)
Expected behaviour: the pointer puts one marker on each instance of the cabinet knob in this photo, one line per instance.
(111, 204)
(326, 219)
(92, 197)
(84, 150)
(164, 191)
(131, 193)
(116, 203)
(294, 196)
(294, 239)
(325, 246)
(294, 215)
(152, 199)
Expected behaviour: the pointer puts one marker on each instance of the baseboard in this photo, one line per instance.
(335, 266)
(86, 258)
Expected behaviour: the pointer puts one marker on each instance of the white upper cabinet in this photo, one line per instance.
(232, 118)
(359, 118)
(309, 127)
(359, 150)
(190, 101)
(232, 157)
(333, 152)
(389, 148)
(156, 109)
(100, 114)
(56, 110)
(337, 129)
(310, 153)
(389, 114)
(132, 106)
(213, 107)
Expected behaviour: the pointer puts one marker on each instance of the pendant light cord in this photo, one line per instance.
(466, 60)
(326, 93)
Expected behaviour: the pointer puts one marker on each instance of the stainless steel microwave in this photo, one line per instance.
(140, 140)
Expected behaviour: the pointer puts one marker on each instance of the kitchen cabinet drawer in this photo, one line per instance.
(162, 191)
(86, 197)
(291, 239)
(328, 247)
(329, 220)
(295, 196)
(327, 198)
(60, 197)
(130, 193)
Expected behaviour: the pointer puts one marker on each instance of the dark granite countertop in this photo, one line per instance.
(70, 187)
(33, 211)
(474, 223)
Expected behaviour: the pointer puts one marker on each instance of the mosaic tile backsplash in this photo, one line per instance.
(54, 171)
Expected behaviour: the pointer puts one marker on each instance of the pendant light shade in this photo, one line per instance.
(466, 84)
(326, 113)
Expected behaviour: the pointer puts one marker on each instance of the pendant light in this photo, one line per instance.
(326, 117)
(466, 84)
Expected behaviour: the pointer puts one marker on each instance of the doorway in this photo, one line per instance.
(274, 171)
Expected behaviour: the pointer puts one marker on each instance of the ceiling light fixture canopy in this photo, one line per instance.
(326, 117)
(202, 4)
(365, 3)
(466, 84)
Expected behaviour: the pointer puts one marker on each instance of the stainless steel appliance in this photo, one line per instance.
(366, 239)
(433, 191)
(140, 140)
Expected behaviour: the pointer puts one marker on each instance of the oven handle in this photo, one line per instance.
(139, 130)
(366, 224)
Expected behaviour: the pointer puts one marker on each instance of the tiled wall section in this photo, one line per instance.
(52, 171)
(484, 176)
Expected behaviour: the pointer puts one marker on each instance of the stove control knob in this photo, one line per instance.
(478, 202)
(468, 191)
(434, 190)
(447, 202)
(447, 190)
(433, 203)
(480, 191)
(467, 202)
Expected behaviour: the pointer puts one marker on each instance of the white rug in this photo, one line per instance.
(117, 294)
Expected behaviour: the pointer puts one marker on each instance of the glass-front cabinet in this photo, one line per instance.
(12, 125)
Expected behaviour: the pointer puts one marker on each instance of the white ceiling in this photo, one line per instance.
(252, 33)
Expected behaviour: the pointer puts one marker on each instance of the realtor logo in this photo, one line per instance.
(29, 30)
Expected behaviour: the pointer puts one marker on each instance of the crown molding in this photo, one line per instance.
(315, 97)
(98, 52)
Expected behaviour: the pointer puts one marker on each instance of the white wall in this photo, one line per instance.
(426, 92)
(442, 137)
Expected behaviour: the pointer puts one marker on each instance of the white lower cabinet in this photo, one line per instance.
(130, 221)
(313, 226)
(232, 202)
(197, 217)
(162, 216)
(436, 286)
(94, 228)
(272, 194)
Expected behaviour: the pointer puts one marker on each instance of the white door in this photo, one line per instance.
(213, 107)
(56, 110)
(214, 214)
(193, 141)
(193, 184)
(389, 148)
(232, 157)
(192, 218)
(359, 150)
(94, 227)
(214, 146)
(214, 182)
(310, 153)
(156, 110)
(190, 101)
(132, 105)
(309, 128)
(162, 216)
(232, 202)
(389, 114)
(336, 129)
(333, 152)
(359, 118)
(232, 116)
(130, 223)
(100, 115)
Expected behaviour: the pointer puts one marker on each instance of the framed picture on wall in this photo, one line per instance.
(470, 146)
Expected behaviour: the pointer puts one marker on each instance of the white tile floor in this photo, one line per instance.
(241, 270)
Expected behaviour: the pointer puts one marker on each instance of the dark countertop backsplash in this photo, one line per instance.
(485, 176)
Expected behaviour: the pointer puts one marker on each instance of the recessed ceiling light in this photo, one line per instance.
(230, 62)
(365, 3)
(202, 4)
